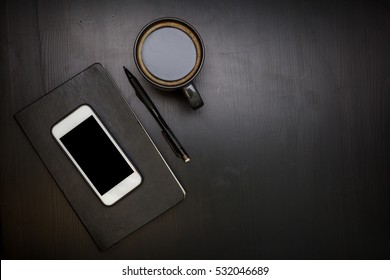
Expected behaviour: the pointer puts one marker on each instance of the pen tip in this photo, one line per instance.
(128, 73)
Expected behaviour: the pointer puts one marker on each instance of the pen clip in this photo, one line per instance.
(169, 140)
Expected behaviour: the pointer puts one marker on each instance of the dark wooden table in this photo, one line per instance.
(290, 154)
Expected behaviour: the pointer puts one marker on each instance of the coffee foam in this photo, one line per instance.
(166, 64)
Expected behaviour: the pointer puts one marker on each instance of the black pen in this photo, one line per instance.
(171, 139)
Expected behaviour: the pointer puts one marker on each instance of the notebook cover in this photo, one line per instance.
(159, 191)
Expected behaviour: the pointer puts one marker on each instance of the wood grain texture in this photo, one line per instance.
(290, 155)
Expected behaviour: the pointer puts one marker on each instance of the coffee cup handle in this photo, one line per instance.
(193, 96)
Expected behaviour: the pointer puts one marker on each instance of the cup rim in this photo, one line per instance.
(155, 21)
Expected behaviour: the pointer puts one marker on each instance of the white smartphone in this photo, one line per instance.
(96, 155)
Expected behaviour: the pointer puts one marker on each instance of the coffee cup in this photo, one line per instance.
(169, 53)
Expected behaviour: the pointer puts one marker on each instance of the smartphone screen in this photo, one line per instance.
(97, 156)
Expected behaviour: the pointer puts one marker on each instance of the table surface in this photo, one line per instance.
(289, 156)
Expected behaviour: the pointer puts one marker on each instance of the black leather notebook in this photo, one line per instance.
(159, 191)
